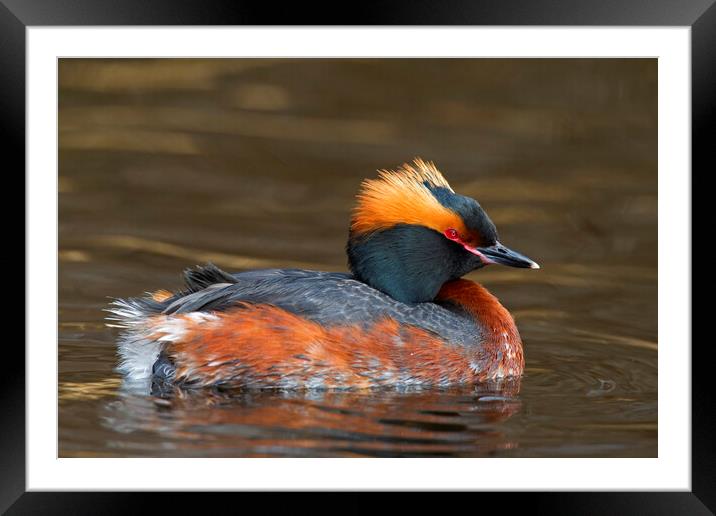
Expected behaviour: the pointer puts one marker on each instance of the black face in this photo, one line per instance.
(472, 214)
(411, 262)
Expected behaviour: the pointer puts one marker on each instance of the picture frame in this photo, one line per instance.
(17, 15)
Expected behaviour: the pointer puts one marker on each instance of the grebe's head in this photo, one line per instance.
(410, 233)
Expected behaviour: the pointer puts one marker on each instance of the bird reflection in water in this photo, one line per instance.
(398, 423)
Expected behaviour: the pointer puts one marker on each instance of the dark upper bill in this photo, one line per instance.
(498, 253)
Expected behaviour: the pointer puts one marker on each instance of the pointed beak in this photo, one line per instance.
(498, 253)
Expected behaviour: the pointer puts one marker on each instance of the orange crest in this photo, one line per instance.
(401, 197)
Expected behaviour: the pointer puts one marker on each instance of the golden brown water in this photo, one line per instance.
(254, 163)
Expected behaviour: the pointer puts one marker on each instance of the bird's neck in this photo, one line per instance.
(409, 263)
(501, 349)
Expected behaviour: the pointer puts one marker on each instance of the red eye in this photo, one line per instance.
(451, 234)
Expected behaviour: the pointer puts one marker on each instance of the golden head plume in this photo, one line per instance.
(403, 196)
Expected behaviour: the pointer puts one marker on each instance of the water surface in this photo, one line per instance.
(254, 163)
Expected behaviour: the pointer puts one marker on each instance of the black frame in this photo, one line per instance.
(700, 15)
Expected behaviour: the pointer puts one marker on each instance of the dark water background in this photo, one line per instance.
(254, 163)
